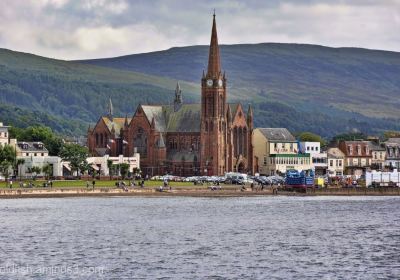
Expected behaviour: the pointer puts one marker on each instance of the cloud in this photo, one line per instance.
(74, 29)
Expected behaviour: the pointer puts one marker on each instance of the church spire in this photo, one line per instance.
(110, 109)
(178, 97)
(214, 63)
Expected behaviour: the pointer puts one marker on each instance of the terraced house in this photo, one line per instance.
(209, 138)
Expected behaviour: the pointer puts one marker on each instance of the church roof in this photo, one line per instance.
(156, 112)
(186, 119)
(117, 122)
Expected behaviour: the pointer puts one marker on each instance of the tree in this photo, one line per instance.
(39, 133)
(310, 137)
(76, 156)
(124, 169)
(47, 170)
(20, 162)
(7, 159)
(35, 170)
(391, 134)
(5, 169)
(7, 153)
(349, 137)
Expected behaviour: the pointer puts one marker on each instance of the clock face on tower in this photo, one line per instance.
(220, 82)
(209, 82)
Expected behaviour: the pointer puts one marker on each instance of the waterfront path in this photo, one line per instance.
(227, 191)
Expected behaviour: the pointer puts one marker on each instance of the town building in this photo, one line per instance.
(319, 158)
(378, 153)
(336, 160)
(100, 164)
(392, 146)
(57, 166)
(277, 151)
(31, 149)
(4, 136)
(210, 138)
(358, 157)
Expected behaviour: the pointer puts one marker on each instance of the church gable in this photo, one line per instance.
(239, 117)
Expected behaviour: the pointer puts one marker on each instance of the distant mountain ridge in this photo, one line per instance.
(350, 79)
(301, 87)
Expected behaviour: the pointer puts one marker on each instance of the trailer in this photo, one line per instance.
(382, 179)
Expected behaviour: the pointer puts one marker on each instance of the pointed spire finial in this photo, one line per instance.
(178, 97)
(110, 109)
(214, 62)
(126, 121)
(161, 142)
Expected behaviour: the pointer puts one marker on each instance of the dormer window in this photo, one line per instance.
(350, 149)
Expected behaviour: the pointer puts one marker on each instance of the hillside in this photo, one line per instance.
(350, 79)
(301, 87)
(76, 93)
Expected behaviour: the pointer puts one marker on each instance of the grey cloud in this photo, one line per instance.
(73, 29)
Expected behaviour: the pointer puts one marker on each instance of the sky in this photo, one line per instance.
(85, 29)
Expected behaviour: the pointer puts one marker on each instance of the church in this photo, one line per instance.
(210, 138)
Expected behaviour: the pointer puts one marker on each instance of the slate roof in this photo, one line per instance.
(277, 134)
(117, 122)
(393, 141)
(32, 147)
(335, 153)
(375, 147)
(186, 119)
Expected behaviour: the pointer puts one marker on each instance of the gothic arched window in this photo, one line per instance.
(140, 142)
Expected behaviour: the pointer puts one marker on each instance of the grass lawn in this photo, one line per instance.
(99, 183)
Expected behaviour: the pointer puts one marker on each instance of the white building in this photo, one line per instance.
(56, 163)
(335, 162)
(4, 134)
(100, 163)
(319, 159)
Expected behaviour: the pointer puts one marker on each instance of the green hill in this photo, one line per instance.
(301, 87)
(76, 93)
(350, 79)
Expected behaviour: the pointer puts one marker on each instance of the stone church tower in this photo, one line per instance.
(210, 138)
(213, 110)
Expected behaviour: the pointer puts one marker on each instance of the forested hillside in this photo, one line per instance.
(301, 87)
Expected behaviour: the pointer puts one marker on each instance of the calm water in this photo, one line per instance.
(200, 238)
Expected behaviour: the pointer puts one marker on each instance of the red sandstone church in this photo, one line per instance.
(210, 138)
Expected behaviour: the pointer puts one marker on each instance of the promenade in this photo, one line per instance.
(227, 191)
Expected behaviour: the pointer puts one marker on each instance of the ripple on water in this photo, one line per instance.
(201, 238)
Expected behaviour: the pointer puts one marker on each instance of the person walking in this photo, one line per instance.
(93, 183)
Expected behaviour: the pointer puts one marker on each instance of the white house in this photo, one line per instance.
(319, 159)
(40, 161)
(100, 163)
